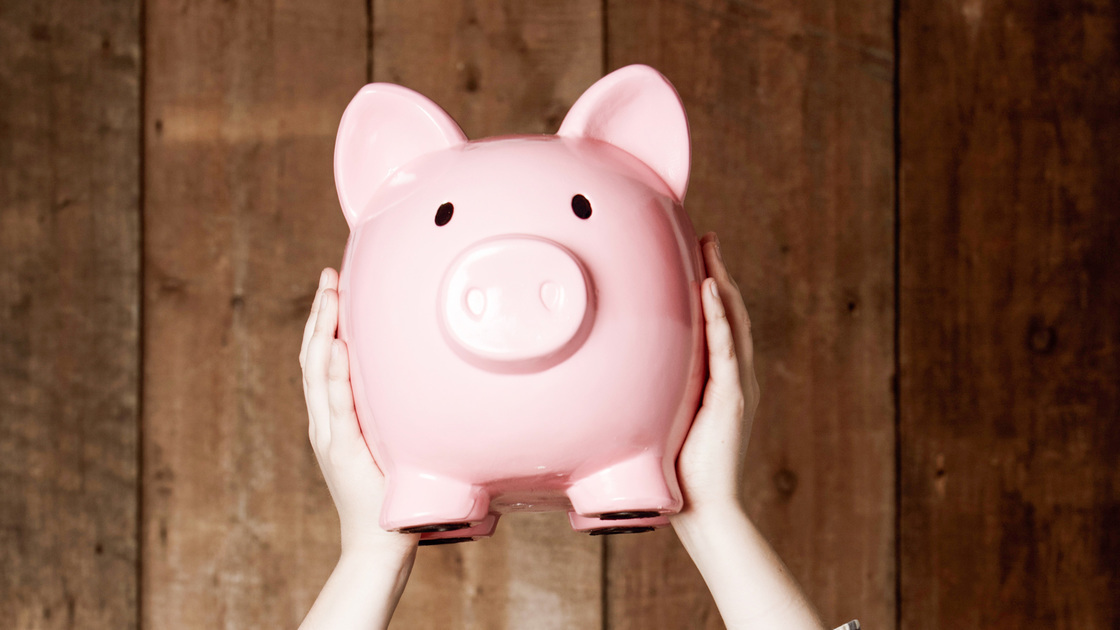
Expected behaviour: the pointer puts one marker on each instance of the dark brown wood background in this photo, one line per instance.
(919, 199)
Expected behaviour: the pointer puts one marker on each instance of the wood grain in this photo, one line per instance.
(498, 67)
(1009, 334)
(1009, 344)
(69, 313)
(242, 106)
(790, 108)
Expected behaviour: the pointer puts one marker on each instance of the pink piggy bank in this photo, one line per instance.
(522, 312)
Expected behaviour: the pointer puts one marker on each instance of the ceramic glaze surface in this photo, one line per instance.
(522, 313)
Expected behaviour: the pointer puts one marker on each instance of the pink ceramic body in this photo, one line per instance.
(520, 357)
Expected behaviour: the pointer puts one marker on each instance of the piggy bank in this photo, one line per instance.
(522, 313)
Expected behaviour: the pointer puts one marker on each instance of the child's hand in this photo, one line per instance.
(750, 585)
(355, 482)
(371, 573)
(711, 460)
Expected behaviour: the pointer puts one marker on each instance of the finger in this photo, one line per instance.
(732, 301)
(710, 237)
(723, 366)
(309, 327)
(729, 289)
(330, 279)
(308, 392)
(344, 419)
(315, 376)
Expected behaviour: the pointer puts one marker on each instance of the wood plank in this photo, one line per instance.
(498, 67)
(1009, 335)
(69, 313)
(242, 106)
(790, 107)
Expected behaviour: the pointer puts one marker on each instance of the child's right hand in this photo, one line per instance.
(750, 585)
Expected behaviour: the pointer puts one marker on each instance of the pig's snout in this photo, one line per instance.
(515, 303)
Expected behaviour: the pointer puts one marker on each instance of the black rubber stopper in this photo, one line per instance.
(607, 531)
(431, 529)
(622, 516)
(432, 542)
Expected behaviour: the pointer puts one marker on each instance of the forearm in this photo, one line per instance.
(751, 586)
(363, 590)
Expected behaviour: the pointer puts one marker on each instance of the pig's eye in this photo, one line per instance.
(581, 206)
(443, 215)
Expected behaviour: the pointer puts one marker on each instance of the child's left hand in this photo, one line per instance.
(356, 483)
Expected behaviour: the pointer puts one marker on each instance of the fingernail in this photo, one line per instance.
(719, 252)
(322, 278)
(714, 289)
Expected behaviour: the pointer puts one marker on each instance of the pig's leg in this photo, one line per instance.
(418, 502)
(474, 532)
(635, 488)
(598, 527)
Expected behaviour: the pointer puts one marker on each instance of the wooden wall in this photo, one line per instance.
(920, 201)
(1009, 314)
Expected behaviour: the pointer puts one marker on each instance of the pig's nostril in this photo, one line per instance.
(476, 302)
(552, 295)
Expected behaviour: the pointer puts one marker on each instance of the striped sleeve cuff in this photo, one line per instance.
(851, 625)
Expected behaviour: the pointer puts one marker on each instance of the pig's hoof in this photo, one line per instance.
(431, 542)
(606, 531)
(622, 516)
(432, 529)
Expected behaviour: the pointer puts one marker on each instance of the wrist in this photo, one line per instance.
(380, 546)
(707, 520)
(379, 564)
(701, 511)
(365, 585)
(751, 586)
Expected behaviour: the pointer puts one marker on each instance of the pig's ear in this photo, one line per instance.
(636, 109)
(383, 128)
